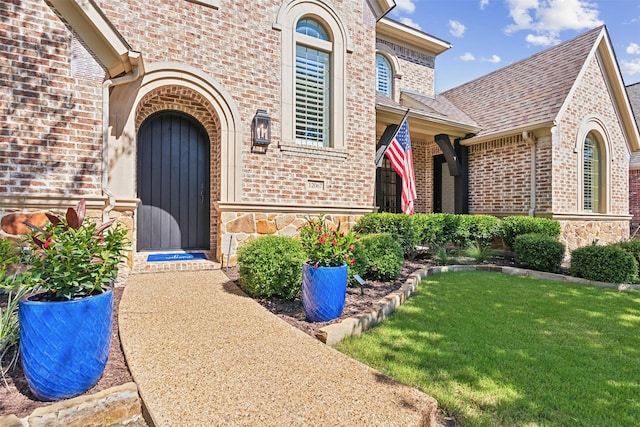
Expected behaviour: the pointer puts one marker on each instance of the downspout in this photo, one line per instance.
(137, 66)
(530, 138)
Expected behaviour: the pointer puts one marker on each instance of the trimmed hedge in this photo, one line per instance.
(632, 246)
(481, 229)
(435, 229)
(539, 252)
(513, 226)
(610, 264)
(400, 226)
(271, 266)
(384, 256)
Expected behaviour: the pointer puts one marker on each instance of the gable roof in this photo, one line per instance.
(532, 92)
(633, 91)
(529, 91)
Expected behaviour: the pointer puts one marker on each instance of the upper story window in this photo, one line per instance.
(314, 44)
(592, 182)
(313, 84)
(384, 75)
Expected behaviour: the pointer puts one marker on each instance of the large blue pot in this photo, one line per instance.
(323, 292)
(64, 345)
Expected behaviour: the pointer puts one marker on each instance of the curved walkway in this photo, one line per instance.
(204, 354)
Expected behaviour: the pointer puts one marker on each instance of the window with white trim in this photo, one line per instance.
(314, 44)
(384, 76)
(313, 84)
(592, 185)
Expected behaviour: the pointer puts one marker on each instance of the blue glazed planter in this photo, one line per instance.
(323, 292)
(64, 345)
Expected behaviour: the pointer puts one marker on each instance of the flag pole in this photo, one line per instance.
(381, 155)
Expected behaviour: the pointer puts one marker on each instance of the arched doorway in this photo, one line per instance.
(173, 181)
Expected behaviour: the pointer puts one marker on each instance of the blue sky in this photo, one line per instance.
(490, 34)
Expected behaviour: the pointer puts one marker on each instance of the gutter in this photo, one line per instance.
(137, 65)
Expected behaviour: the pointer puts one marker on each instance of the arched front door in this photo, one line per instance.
(173, 183)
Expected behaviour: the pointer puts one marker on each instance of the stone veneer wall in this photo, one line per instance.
(237, 228)
(576, 234)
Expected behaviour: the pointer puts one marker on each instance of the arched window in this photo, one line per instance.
(592, 181)
(384, 75)
(314, 45)
(313, 83)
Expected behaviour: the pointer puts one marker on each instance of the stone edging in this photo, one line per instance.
(119, 404)
(354, 326)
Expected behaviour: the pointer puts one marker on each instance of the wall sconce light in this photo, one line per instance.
(261, 129)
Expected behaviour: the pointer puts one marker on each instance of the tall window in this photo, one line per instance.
(313, 84)
(384, 76)
(592, 174)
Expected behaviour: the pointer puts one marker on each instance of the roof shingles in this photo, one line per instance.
(526, 92)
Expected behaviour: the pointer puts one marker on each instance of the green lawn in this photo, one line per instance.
(500, 350)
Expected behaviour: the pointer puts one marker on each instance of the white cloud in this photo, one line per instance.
(542, 40)
(547, 18)
(409, 23)
(494, 59)
(467, 57)
(483, 4)
(407, 6)
(456, 28)
(630, 68)
(633, 49)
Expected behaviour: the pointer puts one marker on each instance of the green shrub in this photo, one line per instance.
(384, 256)
(632, 246)
(400, 226)
(271, 266)
(482, 229)
(539, 252)
(604, 264)
(514, 226)
(435, 229)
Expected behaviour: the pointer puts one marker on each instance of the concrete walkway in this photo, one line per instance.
(204, 354)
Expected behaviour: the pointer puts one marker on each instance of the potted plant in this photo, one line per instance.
(324, 275)
(65, 322)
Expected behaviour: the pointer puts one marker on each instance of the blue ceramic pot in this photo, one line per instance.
(64, 345)
(323, 292)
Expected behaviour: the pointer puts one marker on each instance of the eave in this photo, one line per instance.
(107, 45)
(423, 122)
(398, 31)
(381, 7)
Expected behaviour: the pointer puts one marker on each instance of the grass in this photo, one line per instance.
(495, 349)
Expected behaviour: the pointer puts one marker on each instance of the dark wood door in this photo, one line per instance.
(173, 183)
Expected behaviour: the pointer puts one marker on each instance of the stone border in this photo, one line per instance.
(354, 326)
(116, 405)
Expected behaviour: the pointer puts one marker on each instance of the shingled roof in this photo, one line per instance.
(527, 92)
(633, 91)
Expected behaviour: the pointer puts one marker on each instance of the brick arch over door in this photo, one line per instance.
(183, 99)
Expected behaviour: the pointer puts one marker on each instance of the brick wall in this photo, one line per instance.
(634, 198)
(590, 98)
(51, 122)
(500, 177)
(238, 47)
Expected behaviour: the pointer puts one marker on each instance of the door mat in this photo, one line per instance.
(194, 256)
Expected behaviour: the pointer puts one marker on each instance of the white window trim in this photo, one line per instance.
(288, 16)
(388, 53)
(594, 124)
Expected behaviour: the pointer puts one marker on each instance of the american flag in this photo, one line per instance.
(399, 154)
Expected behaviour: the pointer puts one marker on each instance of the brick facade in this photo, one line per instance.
(51, 122)
(220, 66)
(634, 198)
